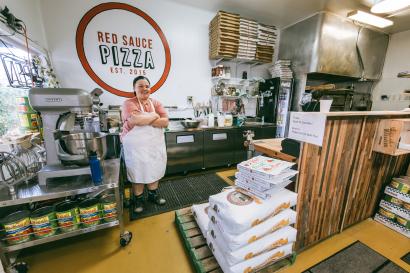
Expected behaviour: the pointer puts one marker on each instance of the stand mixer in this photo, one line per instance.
(64, 112)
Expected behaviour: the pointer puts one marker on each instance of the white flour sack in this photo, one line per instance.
(200, 213)
(256, 191)
(266, 167)
(252, 265)
(239, 211)
(274, 240)
(234, 242)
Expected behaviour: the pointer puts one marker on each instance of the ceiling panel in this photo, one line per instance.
(282, 13)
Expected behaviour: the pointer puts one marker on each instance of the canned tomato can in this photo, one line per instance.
(400, 184)
(90, 212)
(17, 227)
(404, 222)
(393, 200)
(109, 208)
(67, 216)
(387, 214)
(44, 222)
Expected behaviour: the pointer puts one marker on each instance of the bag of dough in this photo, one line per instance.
(200, 212)
(239, 211)
(271, 241)
(252, 265)
(234, 242)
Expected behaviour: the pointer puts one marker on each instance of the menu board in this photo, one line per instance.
(307, 127)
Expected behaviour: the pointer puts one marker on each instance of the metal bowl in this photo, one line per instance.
(189, 124)
(85, 143)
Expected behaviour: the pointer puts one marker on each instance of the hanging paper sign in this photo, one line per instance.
(117, 42)
(307, 127)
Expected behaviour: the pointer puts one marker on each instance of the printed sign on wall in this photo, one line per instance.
(117, 42)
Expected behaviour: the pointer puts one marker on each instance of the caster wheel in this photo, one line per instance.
(125, 238)
(20, 267)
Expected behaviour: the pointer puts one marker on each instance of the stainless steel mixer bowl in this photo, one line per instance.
(84, 143)
(189, 124)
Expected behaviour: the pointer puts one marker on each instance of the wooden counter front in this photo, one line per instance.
(341, 183)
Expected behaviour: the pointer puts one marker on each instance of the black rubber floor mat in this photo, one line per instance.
(406, 258)
(182, 192)
(356, 258)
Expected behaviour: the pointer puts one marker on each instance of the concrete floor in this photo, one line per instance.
(157, 248)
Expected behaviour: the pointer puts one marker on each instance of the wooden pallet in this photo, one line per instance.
(200, 254)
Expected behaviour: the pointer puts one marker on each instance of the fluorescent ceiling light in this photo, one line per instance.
(388, 6)
(369, 19)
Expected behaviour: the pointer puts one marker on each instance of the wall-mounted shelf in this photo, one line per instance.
(237, 61)
(404, 74)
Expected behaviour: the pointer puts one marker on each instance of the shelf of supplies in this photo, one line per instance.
(219, 78)
(388, 223)
(240, 61)
(34, 242)
(399, 195)
(402, 212)
(33, 192)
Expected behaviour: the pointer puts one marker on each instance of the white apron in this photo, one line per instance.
(145, 153)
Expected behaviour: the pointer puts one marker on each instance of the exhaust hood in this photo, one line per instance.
(329, 47)
(329, 44)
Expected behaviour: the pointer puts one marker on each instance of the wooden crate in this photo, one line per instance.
(390, 133)
(201, 256)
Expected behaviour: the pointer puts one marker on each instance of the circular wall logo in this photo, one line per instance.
(117, 42)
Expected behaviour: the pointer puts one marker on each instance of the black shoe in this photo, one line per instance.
(155, 197)
(139, 203)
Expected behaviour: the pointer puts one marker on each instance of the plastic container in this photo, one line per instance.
(17, 227)
(96, 170)
(109, 208)
(325, 105)
(68, 218)
(221, 120)
(211, 120)
(90, 212)
(228, 120)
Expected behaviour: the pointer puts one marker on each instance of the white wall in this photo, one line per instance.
(185, 27)
(29, 12)
(397, 60)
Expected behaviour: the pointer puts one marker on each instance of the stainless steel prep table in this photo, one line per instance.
(32, 192)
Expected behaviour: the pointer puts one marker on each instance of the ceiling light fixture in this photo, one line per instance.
(388, 6)
(369, 19)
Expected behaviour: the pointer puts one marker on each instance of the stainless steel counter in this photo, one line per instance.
(61, 187)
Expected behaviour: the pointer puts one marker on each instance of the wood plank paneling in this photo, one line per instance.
(340, 183)
(323, 181)
(371, 172)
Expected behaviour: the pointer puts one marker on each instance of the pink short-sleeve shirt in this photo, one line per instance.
(131, 105)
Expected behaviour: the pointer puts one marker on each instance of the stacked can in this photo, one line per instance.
(29, 119)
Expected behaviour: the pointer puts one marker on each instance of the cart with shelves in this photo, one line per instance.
(31, 192)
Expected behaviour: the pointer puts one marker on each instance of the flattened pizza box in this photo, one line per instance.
(265, 167)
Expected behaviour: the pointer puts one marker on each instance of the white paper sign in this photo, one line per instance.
(307, 127)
